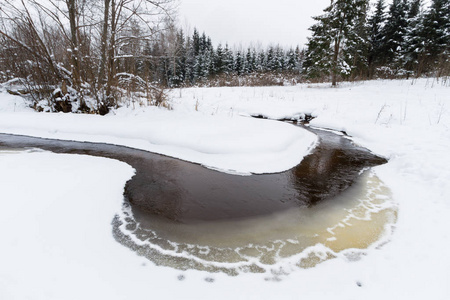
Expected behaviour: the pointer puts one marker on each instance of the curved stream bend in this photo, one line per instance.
(186, 216)
(189, 193)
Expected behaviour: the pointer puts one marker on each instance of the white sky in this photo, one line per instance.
(244, 22)
(241, 22)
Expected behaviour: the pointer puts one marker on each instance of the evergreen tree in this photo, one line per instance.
(356, 48)
(375, 36)
(213, 71)
(413, 41)
(177, 69)
(198, 68)
(270, 62)
(300, 56)
(228, 66)
(330, 35)
(205, 65)
(220, 60)
(190, 61)
(260, 61)
(249, 67)
(196, 42)
(291, 60)
(393, 34)
(239, 63)
(436, 33)
(253, 62)
(279, 60)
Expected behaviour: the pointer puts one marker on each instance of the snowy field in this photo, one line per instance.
(56, 226)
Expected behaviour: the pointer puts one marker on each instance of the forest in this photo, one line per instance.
(91, 56)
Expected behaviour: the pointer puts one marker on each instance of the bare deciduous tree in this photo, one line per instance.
(79, 43)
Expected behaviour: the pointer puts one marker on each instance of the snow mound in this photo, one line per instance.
(232, 144)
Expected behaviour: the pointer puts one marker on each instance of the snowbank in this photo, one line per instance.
(229, 143)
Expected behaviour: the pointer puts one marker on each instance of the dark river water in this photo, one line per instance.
(183, 215)
(186, 192)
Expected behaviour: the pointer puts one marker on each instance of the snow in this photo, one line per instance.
(230, 143)
(56, 236)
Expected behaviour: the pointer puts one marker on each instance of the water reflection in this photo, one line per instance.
(188, 193)
(297, 237)
(331, 168)
(186, 216)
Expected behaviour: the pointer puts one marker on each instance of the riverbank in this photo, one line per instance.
(229, 143)
(407, 122)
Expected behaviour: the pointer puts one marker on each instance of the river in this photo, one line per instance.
(185, 216)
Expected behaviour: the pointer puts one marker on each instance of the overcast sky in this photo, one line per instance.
(241, 22)
(244, 22)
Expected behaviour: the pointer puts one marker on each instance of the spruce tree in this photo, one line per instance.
(394, 33)
(280, 60)
(220, 60)
(260, 61)
(436, 34)
(176, 72)
(330, 35)
(254, 59)
(356, 48)
(375, 37)
(414, 41)
(249, 67)
(190, 61)
(196, 42)
(291, 60)
(228, 65)
(299, 56)
(239, 63)
(270, 59)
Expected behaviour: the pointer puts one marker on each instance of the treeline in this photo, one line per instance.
(197, 61)
(350, 42)
(83, 55)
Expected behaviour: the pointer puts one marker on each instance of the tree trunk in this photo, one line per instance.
(104, 41)
(71, 6)
(335, 61)
(111, 52)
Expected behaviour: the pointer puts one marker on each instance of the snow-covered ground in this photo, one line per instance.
(56, 225)
(230, 143)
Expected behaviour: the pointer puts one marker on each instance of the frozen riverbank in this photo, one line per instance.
(229, 143)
